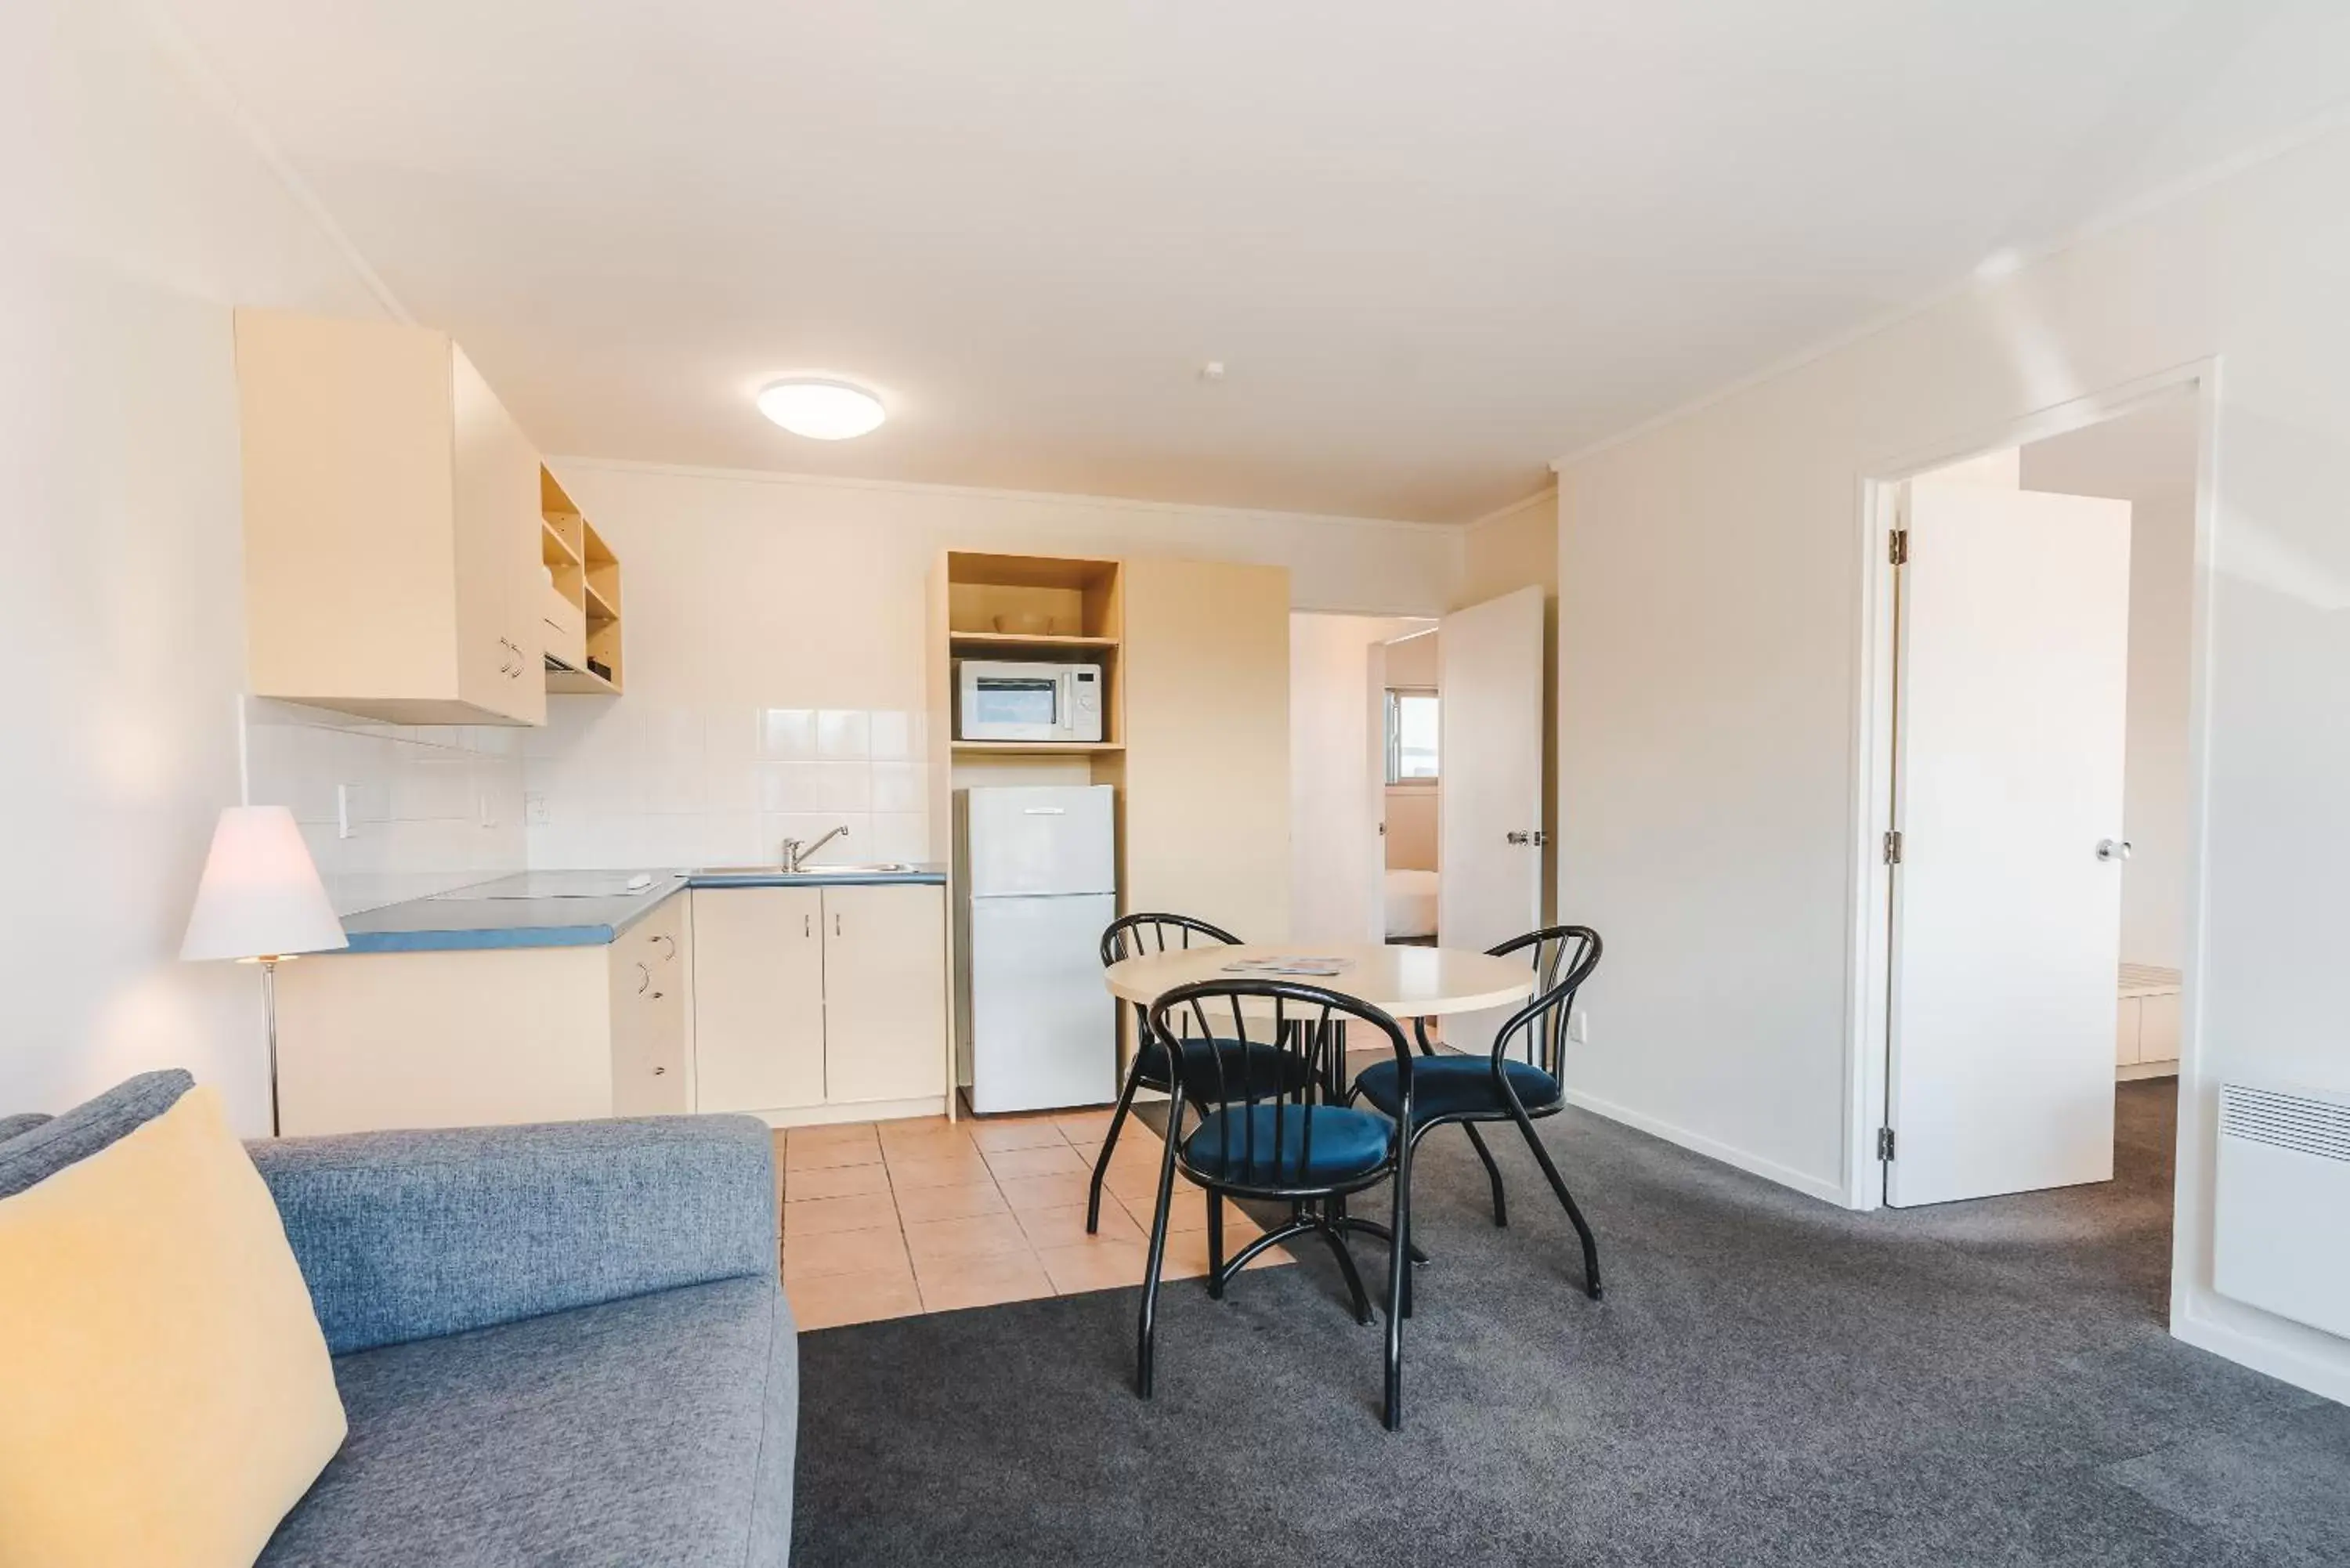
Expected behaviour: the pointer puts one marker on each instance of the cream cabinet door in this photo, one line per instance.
(651, 972)
(885, 984)
(758, 998)
(495, 501)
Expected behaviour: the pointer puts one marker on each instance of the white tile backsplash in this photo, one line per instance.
(430, 807)
(787, 734)
(631, 783)
(672, 784)
(900, 787)
(844, 735)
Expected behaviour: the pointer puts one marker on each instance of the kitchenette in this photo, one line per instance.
(817, 857)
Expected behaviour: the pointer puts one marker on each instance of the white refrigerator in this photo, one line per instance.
(1038, 872)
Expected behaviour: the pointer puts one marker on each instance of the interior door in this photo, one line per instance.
(1489, 773)
(2012, 687)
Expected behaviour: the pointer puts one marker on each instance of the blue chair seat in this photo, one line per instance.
(1457, 1086)
(1248, 1065)
(1295, 1145)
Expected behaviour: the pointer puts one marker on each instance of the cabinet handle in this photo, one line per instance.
(836, 923)
(659, 1071)
(807, 925)
(670, 956)
(644, 980)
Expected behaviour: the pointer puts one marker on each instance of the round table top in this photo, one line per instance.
(1402, 980)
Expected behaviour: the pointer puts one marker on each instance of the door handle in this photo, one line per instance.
(2113, 848)
(1537, 837)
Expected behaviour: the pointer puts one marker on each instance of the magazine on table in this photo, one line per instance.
(1298, 965)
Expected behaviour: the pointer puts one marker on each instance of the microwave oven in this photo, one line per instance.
(997, 700)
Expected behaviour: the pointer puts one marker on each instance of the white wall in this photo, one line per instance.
(2147, 458)
(1333, 894)
(1710, 603)
(775, 647)
(137, 213)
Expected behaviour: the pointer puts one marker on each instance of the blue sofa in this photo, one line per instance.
(561, 1344)
(556, 1344)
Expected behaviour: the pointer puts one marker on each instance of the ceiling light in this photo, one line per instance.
(821, 410)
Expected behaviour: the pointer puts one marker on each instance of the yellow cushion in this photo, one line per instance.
(165, 1393)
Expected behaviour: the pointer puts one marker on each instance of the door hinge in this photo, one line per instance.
(1893, 847)
(1896, 547)
(1884, 1143)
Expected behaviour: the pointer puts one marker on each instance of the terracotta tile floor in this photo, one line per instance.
(892, 1218)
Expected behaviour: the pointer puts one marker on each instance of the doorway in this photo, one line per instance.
(1338, 767)
(2027, 937)
(1418, 775)
(1407, 691)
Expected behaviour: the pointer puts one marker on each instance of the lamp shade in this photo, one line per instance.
(260, 896)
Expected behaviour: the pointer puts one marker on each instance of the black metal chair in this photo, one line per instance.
(1134, 936)
(1272, 1134)
(1497, 1086)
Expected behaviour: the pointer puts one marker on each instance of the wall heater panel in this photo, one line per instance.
(2282, 1231)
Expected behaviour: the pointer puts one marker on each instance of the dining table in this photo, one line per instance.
(1404, 981)
(1409, 982)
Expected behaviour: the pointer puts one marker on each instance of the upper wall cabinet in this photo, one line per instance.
(392, 529)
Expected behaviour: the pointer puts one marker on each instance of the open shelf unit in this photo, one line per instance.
(582, 598)
(1048, 609)
(1045, 609)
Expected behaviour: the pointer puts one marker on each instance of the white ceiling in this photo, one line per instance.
(1437, 244)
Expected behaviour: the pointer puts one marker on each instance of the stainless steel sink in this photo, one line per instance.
(866, 868)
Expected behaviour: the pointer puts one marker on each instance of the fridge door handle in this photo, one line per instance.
(1043, 811)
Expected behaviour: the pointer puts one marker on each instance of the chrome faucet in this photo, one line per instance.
(795, 853)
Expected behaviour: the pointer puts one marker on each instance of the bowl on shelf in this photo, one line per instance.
(1029, 625)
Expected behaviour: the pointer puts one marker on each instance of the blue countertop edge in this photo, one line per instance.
(582, 934)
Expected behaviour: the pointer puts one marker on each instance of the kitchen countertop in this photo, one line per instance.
(571, 909)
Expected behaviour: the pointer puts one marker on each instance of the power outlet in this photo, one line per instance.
(343, 828)
(489, 810)
(1578, 1026)
(534, 808)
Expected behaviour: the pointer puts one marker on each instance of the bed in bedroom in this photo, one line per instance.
(1411, 905)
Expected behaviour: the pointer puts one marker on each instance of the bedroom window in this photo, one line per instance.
(1411, 735)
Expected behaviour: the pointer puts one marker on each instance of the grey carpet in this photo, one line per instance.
(1769, 1380)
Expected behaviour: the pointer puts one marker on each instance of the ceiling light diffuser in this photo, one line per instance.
(821, 410)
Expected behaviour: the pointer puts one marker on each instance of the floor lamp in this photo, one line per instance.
(261, 902)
